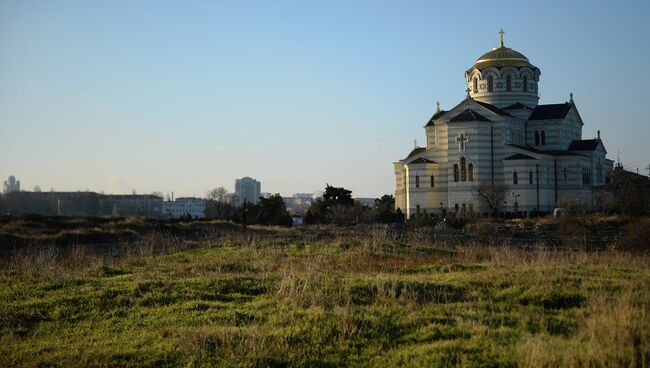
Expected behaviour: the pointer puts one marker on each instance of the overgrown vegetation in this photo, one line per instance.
(320, 296)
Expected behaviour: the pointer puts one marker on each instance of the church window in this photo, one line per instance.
(470, 169)
(433, 181)
(509, 83)
(490, 84)
(463, 169)
(455, 172)
(514, 177)
(525, 84)
(417, 209)
(475, 85)
(536, 138)
(530, 177)
(456, 207)
(599, 172)
(543, 136)
(564, 173)
(417, 180)
(463, 208)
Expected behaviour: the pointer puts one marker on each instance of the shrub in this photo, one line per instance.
(636, 235)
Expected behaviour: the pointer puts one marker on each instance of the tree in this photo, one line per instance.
(337, 196)
(334, 200)
(218, 203)
(158, 194)
(630, 192)
(272, 211)
(492, 195)
(384, 210)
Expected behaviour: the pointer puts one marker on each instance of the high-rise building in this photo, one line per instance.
(247, 190)
(11, 185)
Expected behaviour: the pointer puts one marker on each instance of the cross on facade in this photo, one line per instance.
(461, 139)
(501, 32)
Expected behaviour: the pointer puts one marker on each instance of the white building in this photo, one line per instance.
(500, 135)
(183, 207)
(247, 190)
(11, 185)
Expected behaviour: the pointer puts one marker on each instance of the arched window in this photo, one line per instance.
(530, 177)
(490, 84)
(514, 177)
(470, 169)
(475, 85)
(417, 180)
(536, 138)
(463, 169)
(525, 84)
(455, 172)
(509, 83)
(433, 182)
(543, 138)
(417, 209)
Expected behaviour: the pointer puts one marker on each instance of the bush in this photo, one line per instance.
(636, 235)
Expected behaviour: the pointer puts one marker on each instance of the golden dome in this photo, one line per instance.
(501, 57)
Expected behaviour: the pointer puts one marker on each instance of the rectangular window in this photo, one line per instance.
(433, 182)
(530, 177)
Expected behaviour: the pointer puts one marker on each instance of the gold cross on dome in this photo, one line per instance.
(501, 32)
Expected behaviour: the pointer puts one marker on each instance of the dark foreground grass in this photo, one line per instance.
(332, 304)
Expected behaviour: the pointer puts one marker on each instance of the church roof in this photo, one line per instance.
(468, 115)
(544, 152)
(436, 116)
(553, 111)
(584, 145)
(416, 151)
(422, 160)
(517, 106)
(492, 108)
(501, 57)
(519, 156)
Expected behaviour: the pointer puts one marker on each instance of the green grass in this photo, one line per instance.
(323, 304)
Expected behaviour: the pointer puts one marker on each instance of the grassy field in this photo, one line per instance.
(365, 299)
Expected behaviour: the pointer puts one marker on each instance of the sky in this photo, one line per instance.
(186, 96)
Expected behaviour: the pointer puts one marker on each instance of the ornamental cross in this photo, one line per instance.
(461, 142)
(501, 32)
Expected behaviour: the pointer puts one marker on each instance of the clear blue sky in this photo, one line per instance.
(185, 96)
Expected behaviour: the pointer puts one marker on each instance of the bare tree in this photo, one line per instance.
(218, 203)
(492, 195)
(157, 194)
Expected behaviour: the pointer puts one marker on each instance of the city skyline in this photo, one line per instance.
(155, 96)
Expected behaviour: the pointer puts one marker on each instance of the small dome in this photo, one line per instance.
(501, 57)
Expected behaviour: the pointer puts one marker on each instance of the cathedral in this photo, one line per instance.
(499, 138)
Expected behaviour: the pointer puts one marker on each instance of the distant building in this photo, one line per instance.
(247, 190)
(366, 202)
(298, 203)
(183, 207)
(266, 195)
(130, 205)
(11, 185)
